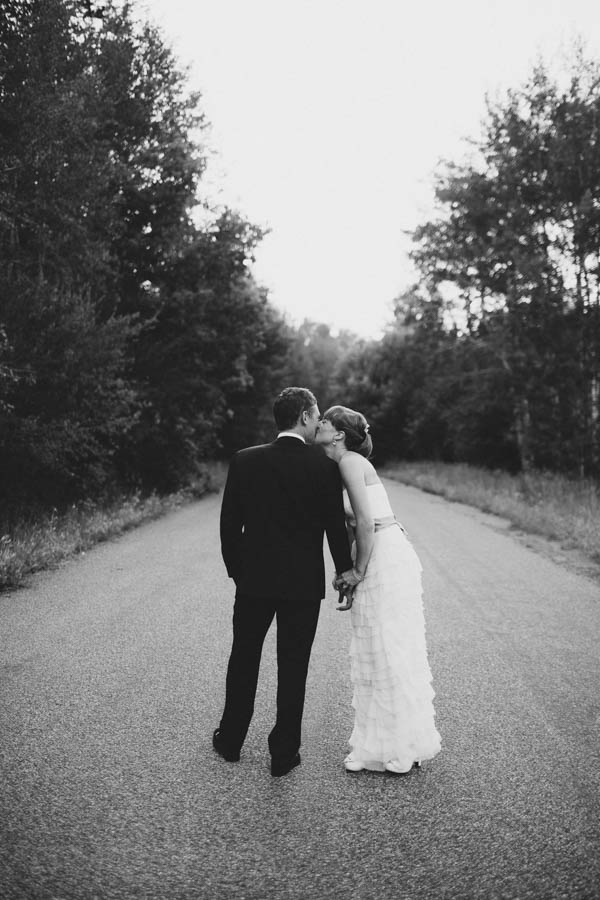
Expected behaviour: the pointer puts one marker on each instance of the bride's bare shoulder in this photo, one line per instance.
(354, 464)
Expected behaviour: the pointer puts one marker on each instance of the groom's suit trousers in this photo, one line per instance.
(296, 626)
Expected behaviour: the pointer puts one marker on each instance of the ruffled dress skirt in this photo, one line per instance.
(393, 696)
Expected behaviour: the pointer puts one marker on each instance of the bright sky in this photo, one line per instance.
(329, 118)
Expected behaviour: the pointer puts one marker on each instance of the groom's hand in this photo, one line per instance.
(345, 599)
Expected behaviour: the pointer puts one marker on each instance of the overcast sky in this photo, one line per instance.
(329, 117)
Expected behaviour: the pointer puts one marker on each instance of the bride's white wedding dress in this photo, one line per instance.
(394, 715)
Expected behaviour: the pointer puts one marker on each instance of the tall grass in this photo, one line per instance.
(542, 503)
(32, 545)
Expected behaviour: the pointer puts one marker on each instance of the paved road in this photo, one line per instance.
(112, 672)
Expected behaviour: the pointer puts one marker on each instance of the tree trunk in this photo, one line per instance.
(523, 433)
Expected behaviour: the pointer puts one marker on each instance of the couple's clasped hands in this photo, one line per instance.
(345, 585)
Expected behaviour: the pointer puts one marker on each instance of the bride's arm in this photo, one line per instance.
(350, 533)
(353, 476)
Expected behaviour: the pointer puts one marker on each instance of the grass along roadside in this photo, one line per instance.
(541, 503)
(35, 545)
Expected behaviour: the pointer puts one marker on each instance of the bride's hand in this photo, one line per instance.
(350, 578)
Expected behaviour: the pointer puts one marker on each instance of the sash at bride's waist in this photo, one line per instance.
(380, 524)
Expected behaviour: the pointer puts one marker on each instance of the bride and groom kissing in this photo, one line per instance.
(279, 501)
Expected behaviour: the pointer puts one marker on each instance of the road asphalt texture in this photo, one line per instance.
(112, 681)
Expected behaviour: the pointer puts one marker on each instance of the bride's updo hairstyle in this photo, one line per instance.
(355, 427)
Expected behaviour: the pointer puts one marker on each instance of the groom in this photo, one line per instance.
(279, 500)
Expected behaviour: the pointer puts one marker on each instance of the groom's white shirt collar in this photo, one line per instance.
(291, 434)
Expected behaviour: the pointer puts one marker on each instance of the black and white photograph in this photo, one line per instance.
(299, 450)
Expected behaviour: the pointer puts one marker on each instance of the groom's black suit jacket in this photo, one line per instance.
(278, 502)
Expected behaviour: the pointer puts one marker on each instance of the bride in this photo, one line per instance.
(393, 710)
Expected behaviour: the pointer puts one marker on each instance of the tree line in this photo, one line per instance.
(494, 355)
(135, 343)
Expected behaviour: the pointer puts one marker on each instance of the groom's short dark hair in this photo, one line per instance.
(290, 405)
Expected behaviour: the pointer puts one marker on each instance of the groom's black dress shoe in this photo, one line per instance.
(279, 767)
(222, 750)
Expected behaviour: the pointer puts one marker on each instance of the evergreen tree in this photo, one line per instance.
(129, 335)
